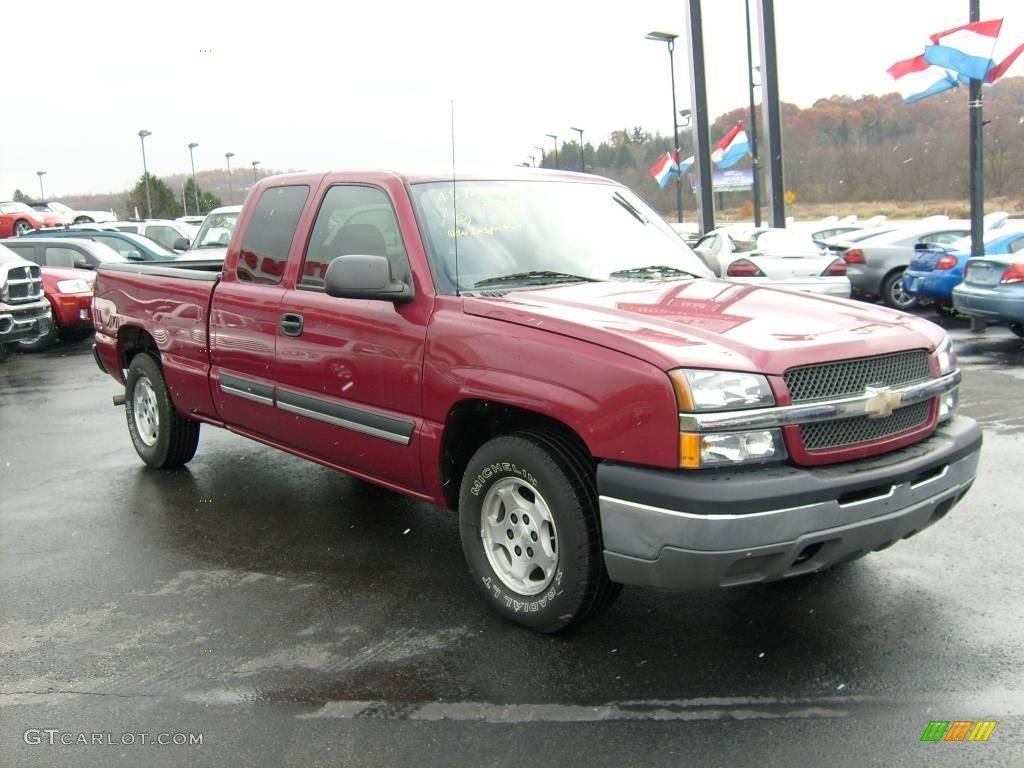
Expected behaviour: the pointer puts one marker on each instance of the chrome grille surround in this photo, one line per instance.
(852, 377)
(23, 284)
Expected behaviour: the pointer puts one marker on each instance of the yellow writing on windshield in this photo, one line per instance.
(489, 230)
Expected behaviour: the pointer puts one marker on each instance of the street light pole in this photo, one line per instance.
(583, 162)
(145, 172)
(554, 139)
(195, 187)
(254, 164)
(42, 195)
(755, 171)
(670, 38)
(231, 192)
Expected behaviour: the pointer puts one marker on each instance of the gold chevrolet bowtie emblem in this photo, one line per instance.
(881, 402)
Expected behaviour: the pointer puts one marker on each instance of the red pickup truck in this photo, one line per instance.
(541, 352)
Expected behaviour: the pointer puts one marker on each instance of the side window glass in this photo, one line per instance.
(1015, 245)
(61, 257)
(269, 234)
(129, 228)
(27, 252)
(163, 235)
(121, 246)
(353, 220)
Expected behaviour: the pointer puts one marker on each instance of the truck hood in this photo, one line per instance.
(708, 323)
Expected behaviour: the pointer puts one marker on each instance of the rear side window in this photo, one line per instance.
(63, 257)
(26, 252)
(1016, 245)
(269, 234)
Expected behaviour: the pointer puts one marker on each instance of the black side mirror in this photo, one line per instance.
(181, 244)
(364, 277)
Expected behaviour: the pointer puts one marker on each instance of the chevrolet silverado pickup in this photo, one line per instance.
(543, 354)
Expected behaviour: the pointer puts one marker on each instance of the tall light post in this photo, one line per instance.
(231, 192)
(541, 150)
(554, 140)
(583, 163)
(670, 39)
(42, 195)
(254, 164)
(755, 171)
(195, 187)
(145, 172)
(533, 161)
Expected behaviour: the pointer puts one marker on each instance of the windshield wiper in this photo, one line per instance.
(654, 271)
(630, 208)
(535, 277)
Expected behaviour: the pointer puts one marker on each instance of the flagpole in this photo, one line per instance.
(977, 158)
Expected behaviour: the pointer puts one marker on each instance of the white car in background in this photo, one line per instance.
(776, 258)
(73, 216)
(164, 231)
(211, 242)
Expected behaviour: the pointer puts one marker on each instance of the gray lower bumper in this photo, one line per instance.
(682, 530)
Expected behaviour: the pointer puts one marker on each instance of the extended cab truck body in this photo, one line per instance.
(541, 352)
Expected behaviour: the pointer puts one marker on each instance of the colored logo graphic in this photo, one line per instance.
(958, 730)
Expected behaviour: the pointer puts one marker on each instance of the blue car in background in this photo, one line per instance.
(993, 290)
(132, 247)
(935, 270)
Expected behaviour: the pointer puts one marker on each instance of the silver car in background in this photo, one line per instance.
(875, 265)
(777, 258)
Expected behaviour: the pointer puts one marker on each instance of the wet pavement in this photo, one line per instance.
(292, 616)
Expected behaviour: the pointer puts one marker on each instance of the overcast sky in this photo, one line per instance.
(318, 85)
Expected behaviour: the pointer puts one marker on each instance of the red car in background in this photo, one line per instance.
(69, 292)
(18, 218)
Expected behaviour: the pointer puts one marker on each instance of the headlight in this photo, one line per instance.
(698, 390)
(73, 286)
(946, 356)
(724, 449)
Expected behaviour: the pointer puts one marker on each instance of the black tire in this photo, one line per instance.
(168, 440)
(551, 474)
(45, 341)
(945, 310)
(21, 227)
(83, 220)
(893, 294)
(1017, 329)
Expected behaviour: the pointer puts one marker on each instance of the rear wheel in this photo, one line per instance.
(84, 220)
(893, 294)
(162, 437)
(528, 521)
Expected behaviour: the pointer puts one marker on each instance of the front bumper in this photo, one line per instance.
(26, 322)
(73, 311)
(703, 530)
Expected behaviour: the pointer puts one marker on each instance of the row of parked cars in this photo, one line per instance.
(49, 258)
(900, 263)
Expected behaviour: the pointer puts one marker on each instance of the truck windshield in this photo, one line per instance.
(216, 230)
(529, 233)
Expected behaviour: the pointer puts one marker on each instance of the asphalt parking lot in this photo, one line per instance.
(292, 616)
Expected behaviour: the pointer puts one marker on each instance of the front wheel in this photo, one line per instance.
(528, 521)
(43, 342)
(893, 294)
(162, 437)
(21, 227)
(84, 220)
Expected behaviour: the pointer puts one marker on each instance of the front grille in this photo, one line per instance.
(23, 285)
(852, 377)
(863, 429)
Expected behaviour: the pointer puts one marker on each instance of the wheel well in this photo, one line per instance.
(131, 341)
(890, 273)
(471, 423)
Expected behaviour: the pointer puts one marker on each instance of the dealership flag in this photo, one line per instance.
(665, 169)
(967, 49)
(916, 78)
(999, 69)
(731, 148)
